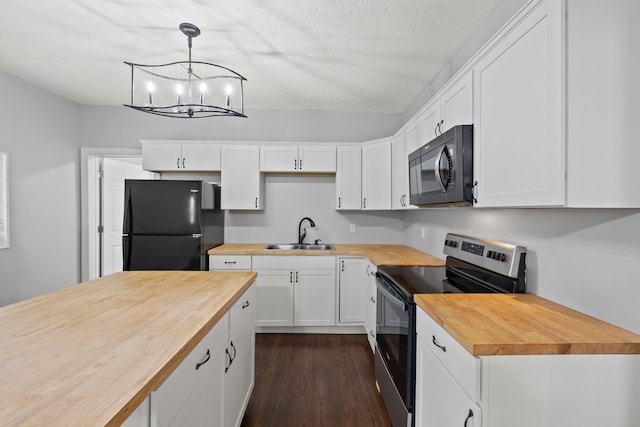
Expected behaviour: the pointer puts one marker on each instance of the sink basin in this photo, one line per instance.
(299, 246)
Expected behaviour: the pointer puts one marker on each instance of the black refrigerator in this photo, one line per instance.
(170, 225)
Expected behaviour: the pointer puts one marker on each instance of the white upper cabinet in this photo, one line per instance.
(519, 150)
(240, 178)
(349, 178)
(404, 143)
(289, 158)
(602, 104)
(376, 175)
(456, 103)
(162, 156)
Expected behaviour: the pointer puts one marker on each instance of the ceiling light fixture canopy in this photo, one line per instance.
(187, 89)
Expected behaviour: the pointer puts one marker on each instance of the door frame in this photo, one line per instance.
(90, 204)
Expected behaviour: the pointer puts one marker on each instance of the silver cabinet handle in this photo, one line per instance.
(291, 277)
(295, 164)
(372, 334)
(256, 202)
(230, 262)
(296, 277)
(178, 162)
(339, 202)
(245, 305)
(373, 300)
(183, 163)
(341, 265)
(364, 203)
(300, 164)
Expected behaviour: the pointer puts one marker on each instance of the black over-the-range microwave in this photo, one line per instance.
(441, 171)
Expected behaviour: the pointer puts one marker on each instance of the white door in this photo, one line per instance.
(114, 172)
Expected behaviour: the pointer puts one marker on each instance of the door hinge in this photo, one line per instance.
(101, 229)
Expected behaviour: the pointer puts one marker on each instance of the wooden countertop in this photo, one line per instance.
(377, 254)
(89, 354)
(490, 324)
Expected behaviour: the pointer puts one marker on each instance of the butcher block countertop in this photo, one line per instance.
(517, 324)
(89, 354)
(378, 254)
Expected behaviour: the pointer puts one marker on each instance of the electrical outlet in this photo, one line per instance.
(423, 232)
(352, 228)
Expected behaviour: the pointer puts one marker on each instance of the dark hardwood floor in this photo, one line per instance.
(314, 380)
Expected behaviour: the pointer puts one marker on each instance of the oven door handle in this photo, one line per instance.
(393, 299)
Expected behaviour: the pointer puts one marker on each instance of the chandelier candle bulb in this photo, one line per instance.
(150, 89)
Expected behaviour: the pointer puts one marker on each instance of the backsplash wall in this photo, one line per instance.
(582, 258)
(289, 198)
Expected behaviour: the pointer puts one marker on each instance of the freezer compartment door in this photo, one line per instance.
(162, 253)
(162, 207)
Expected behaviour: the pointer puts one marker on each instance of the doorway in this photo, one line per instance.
(103, 207)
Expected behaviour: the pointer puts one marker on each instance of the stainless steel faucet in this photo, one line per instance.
(301, 234)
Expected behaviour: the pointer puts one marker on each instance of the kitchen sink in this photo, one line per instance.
(299, 246)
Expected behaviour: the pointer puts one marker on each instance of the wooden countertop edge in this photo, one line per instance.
(173, 363)
(505, 348)
(367, 250)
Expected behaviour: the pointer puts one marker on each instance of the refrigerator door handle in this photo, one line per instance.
(196, 235)
(127, 228)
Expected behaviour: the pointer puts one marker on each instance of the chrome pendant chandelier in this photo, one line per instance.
(187, 89)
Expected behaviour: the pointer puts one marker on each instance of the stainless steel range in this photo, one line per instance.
(472, 266)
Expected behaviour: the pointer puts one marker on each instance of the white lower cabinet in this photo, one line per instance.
(295, 290)
(352, 281)
(455, 388)
(212, 385)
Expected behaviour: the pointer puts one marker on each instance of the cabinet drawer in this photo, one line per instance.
(230, 262)
(171, 395)
(461, 364)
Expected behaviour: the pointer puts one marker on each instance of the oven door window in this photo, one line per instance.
(392, 330)
(436, 174)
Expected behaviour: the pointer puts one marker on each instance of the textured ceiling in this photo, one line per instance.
(344, 55)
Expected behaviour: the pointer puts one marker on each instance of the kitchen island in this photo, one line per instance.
(91, 353)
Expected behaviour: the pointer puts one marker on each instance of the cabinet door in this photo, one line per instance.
(353, 283)
(317, 158)
(519, 147)
(275, 297)
(456, 103)
(370, 304)
(428, 123)
(206, 404)
(161, 156)
(376, 175)
(278, 158)
(315, 297)
(439, 399)
(241, 372)
(240, 179)
(399, 174)
(200, 157)
(349, 178)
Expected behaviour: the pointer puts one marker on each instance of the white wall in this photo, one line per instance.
(289, 198)
(586, 259)
(124, 127)
(40, 133)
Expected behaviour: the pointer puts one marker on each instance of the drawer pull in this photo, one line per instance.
(469, 416)
(206, 359)
(227, 357)
(245, 305)
(441, 347)
(229, 262)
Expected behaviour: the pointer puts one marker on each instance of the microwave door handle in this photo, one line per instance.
(392, 299)
(437, 169)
